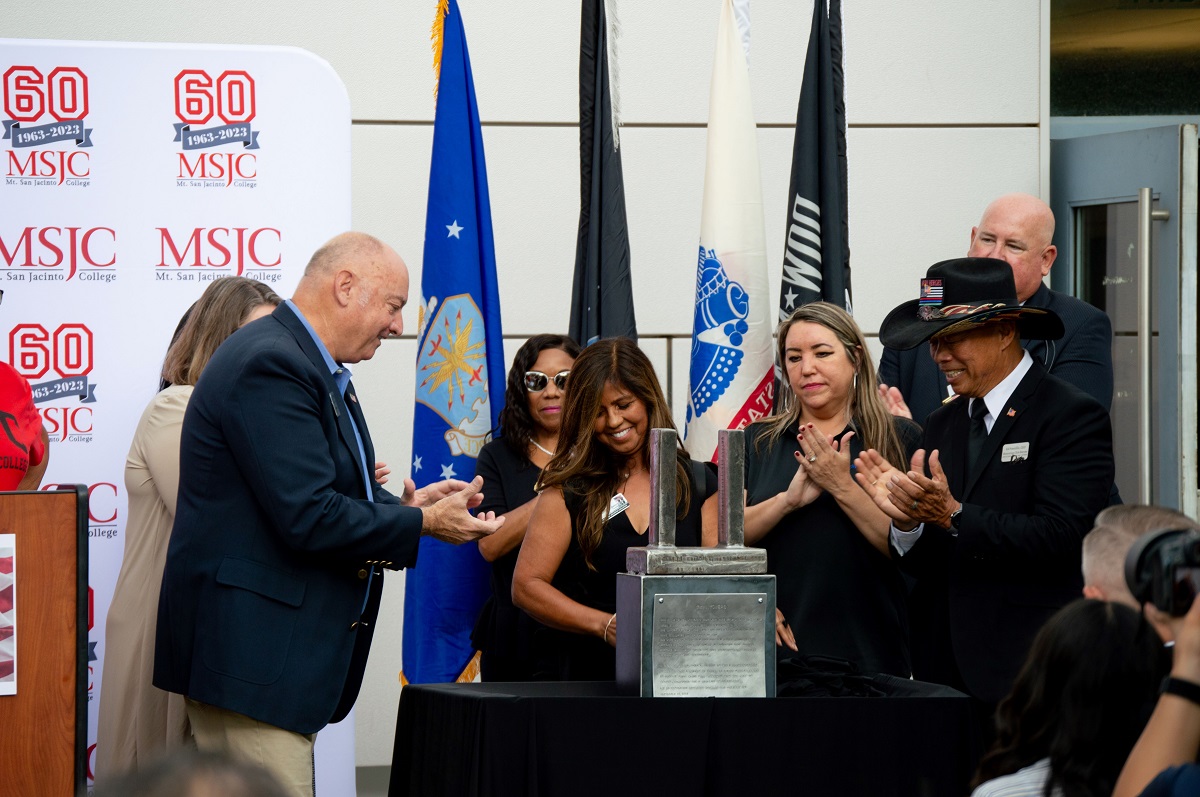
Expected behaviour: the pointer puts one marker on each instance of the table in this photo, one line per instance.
(549, 739)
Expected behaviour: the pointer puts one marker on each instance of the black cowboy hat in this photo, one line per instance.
(967, 290)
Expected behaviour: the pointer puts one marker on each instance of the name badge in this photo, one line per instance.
(1014, 452)
(616, 506)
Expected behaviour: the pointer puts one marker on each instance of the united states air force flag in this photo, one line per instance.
(731, 365)
(459, 363)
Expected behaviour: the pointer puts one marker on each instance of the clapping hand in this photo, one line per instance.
(908, 497)
(826, 459)
(430, 494)
(447, 518)
(895, 401)
(801, 490)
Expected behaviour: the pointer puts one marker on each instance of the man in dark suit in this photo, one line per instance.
(1016, 228)
(274, 569)
(1019, 465)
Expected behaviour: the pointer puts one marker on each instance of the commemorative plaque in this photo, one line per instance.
(696, 622)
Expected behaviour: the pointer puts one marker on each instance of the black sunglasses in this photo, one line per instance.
(536, 381)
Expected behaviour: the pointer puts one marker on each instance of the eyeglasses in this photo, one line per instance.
(536, 381)
(952, 340)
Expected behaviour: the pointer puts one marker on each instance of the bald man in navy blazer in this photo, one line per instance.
(1018, 229)
(274, 570)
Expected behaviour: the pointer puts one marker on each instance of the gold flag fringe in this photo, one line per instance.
(470, 673)
(436, 35)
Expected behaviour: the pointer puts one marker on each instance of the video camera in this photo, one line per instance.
(1163, 568)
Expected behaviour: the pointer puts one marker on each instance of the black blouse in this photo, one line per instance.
(840, 595)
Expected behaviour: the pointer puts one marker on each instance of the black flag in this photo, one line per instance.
(816, 259)
(602, 295)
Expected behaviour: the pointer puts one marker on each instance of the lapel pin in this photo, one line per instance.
(1011, 412)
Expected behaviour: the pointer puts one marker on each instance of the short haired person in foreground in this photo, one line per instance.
(193, 773)
(137, 723)
(273, 574)
(1162, 763)
(1107, 544)
(1018, 229)
(991, 521)
(1077, 706)
(594, 506)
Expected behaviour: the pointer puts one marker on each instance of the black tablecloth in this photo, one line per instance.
(551, 739)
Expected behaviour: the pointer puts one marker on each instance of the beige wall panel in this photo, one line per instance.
(533, 180)
(932, 61)
(914, 196)
(943, 62)
(915, 193)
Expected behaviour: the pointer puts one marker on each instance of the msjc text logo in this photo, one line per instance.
(44, 113)
(58, 366)
(217, 154)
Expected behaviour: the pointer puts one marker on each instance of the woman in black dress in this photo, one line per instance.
(839, 593)
(510, 466)
(594, 505)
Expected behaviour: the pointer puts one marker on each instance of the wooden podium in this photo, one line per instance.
(43, 727)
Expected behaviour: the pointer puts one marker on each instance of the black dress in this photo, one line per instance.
(503, 633)
(842, 597)
(566, 656)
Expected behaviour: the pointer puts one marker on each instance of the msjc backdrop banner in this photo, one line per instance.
(133, 176)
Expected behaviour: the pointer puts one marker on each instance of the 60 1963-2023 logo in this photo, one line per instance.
(44, 117)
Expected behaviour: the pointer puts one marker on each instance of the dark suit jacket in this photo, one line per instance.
(982, 594)
(265, 608)
(1083, 357)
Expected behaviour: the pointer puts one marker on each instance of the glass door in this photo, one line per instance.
(1123, 256)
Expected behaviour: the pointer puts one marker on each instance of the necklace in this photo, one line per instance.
(541, 448)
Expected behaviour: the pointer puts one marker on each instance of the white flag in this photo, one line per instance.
(732, 359)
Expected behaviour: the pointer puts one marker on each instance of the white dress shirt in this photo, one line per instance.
(996, 399)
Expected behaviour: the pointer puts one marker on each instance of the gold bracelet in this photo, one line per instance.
(606, 627)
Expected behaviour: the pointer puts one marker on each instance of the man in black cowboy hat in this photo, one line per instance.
(1019, 464)
(1018, 229)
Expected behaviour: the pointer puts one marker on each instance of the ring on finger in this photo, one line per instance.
(812, 457)
(914, 506)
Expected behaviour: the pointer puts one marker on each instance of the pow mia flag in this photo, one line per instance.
(816, 259)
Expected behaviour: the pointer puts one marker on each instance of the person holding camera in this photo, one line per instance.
(1105, 548)
(1162, 570)
(1162, 763)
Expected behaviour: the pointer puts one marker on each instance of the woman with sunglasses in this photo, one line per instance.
(510, 466)
(594, 505)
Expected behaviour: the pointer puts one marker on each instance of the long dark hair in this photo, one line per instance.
(589, 468)
(1081, 699)
(516, 424)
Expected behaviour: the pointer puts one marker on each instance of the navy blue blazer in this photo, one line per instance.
(983, 592)
(265, 607)
(1083, 357)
